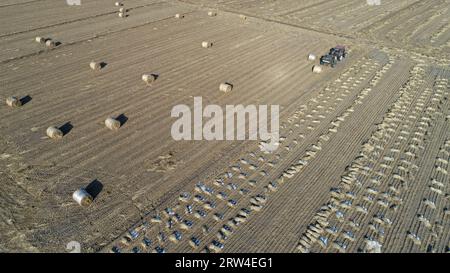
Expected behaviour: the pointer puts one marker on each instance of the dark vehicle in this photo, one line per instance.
(328, 60)
(336, 54)
(339, 52)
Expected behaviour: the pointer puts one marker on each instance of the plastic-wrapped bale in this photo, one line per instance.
(54, 133)
(225, 87)
(206, 44)
(317, 69)
(118, 4)
(95, 65)
(212, 13)
(50, 43)
(179, 16)
(311, 57)
(112, 124)
(122, 15)
(82, 197)
(13, 102)
(40, 40)
(149, 78)
(123, 10)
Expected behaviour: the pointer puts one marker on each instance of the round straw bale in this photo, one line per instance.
(206, 44)
(95, 65)
(112, 124)
(50, 43)
(317, 69)
(40, 40)
(13, 102)
(54, 133)
(311, 57)
(148, 78)
(225, 87)
(82, 197)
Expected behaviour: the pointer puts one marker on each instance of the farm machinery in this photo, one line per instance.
(335, 55)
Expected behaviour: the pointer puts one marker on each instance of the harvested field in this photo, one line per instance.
(362, 161)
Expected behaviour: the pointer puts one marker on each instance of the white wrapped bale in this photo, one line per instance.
(54, 133)
(212, 13)
(40, 40)
(118, 4)
(206, 44)
(112, 124)
(122, 10)
(317, 69)
(50, 43)
(13, 102)
(82, 197)
(225, 87)
(311, 57)
(95, 65)
(148, 78)
(122, 15)
(179, 16)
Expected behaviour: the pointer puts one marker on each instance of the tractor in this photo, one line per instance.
(335, 55)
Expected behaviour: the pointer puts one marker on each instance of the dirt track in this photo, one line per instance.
(363, 161)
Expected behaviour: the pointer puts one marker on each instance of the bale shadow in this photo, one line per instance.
(94, 188)
(122, 119)
(26, 99)
(155, 75)
(103, 65)
(66, 128)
